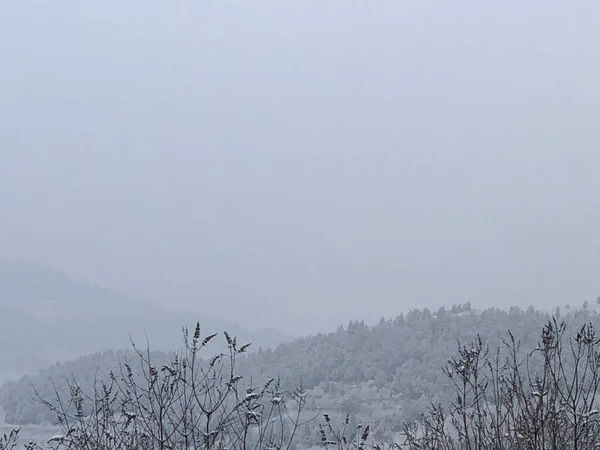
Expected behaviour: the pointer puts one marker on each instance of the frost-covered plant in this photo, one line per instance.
(9, 441)
(190, 402)
(349, 436)
(544, 400)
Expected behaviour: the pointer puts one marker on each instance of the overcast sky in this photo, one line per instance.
(329, 158)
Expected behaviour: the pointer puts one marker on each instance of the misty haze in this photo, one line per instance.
(327, 217)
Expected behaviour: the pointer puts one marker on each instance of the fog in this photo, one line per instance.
(299, 164)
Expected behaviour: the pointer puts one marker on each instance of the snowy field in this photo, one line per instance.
(37, 433)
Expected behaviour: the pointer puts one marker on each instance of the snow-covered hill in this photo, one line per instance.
(46, 316)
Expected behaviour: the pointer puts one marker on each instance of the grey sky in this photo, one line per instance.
(340, 159)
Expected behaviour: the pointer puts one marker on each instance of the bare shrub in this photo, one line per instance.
(9, 441)
(188, 403)
(349, 437)
(545, 399)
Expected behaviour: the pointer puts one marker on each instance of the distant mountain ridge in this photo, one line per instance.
(44, 292)
(47, 316)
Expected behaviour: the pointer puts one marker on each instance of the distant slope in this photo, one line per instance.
(46, 293)
(46, 316)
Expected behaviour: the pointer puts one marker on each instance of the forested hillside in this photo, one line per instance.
(382, 375)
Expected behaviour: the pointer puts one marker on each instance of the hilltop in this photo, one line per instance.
(48, 317)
